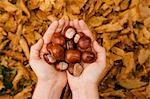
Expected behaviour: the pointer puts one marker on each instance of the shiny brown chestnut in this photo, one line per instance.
(84, 42)
(49, 58)
(69, 32)
(61, 66)
(73, 56)
(77, 70)
(70, 68)
(70, 45)
(78, 36)
(88, 57)
(57, 38)
(56, 50)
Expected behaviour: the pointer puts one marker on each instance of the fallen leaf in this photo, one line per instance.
(24, 46)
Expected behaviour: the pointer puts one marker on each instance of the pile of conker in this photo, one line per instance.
(69, 50)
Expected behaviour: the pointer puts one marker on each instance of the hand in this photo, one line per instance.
(89, 78)
(47, 76)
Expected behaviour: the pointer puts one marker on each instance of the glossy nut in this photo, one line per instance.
(84, 42)
(69, 32)
(70, 68)
(61, 66)
(70, 44)
(77, 70)
(88, 57)
(73, 56)
(76, 38)
(49, 58)
(57, 38)
(56, 50)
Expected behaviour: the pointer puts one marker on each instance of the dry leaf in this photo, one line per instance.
(7, 6)
(24, 46)
(118, 93)
(1, 85)
(143, 55)
(109, 28)
(22, 6)
(21, 72)
(24, 94)
(77, 70)
(118, 51)
(129, 63)
(131, 83)
(96, 21)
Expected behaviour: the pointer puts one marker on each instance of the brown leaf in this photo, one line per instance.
(7, 6)
(143, 55)
(118, 93)
(22, 6)
(24, 46)
(96, 21)
(111, 27)
(131, 83)
(21, 72)
(24, 94)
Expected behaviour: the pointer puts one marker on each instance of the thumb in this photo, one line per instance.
(35, 50)
(101, 54)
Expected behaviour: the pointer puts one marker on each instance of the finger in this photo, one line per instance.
(48, 34)
(43, 51)
(101, 54)
(35, 50)
(70, 77)
(61, 24)
(76, 25)
(66, 24)
(85, 29)
(71, 23)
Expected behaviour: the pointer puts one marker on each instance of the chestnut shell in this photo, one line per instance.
(61, 66)
(70, 45)
(73, 56)
(84, 42)
(56, 50)
(88, 57)
(49, 59)
(57, 38)
(65, 30)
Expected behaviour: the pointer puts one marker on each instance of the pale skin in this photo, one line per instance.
(51, 82)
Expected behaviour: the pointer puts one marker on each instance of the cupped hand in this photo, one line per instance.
(92, 72)
(44, 71)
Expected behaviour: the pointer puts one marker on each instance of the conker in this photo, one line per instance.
(49, 58)
(70, 44)
(56, 50)
(81, 34)
(77, 70)
(76, 38)
(73, 56)
(70, 68)
(57, 38)
(84, 42)
(69, 32)
(61, 66)
(88, 57)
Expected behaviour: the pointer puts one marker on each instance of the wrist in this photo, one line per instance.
(86, 91)
(49, 83)
(47, 90)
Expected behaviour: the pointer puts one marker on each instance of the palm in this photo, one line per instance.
(91, 71)
(42, 69)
